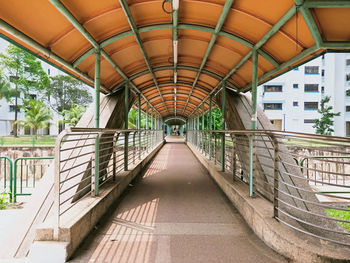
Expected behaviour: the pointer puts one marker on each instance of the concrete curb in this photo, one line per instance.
(78, 222)
(257, 212)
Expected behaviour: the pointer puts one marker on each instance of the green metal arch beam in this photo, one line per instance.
(220, 23)
(277, 26)
(69, 16)
(190, 103)
(175, 118)
(136, 34)
(180, 26)
(139, 74)
(185, 83)
(159, 103)
(178, 93)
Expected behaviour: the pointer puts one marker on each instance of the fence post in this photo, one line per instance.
(275, 177)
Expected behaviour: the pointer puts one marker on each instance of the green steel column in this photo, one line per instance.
(254, 121)
(97, 86)
(152, 123)
(126, 121)
(147, 109)
(254, 89)
(223, 110)
(203, 116)
(209, 127)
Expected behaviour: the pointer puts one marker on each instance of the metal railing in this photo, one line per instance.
(26, 172)
(86, 159)
(305, 176)
(19, 177)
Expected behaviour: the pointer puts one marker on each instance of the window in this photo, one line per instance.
(295, 86)
(322, 89)
(347, 62)
(311, 88)
(322, 73)
(311, 70)
(272, 88)
(12, 108)
(348, 77)
(311, 105)
(309, 121)
(272, 106)
(295, 103)
(347, 108)
(347, 92)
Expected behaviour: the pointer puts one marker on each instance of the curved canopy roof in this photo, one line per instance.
(177, 57)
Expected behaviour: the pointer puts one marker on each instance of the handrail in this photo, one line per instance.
(94, 157)
(260, 159)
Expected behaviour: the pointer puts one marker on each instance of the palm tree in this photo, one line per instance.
(73, 115)
(36, 115)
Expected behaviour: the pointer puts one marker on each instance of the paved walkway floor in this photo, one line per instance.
(174, 213)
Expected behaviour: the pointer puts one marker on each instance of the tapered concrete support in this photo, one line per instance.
(238, 115)
(40, 207)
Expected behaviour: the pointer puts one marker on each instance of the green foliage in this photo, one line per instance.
(340, 214)
(217, 123)
(73, 115)
(36, 115)
(6, 91)
(348, 92)
(67, 92)
(24, 69)
(132, 117)
(3, 200)
(324, 125)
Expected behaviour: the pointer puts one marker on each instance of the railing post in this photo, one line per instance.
(223, 109)
(275, 177)
(251, 165)
(96, 178)
(209, 128)
(134, 147)
(126, 122)
(115, 138)
(234, 161)
(126, 150)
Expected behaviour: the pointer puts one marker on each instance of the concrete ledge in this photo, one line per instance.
(257, 212)
(76, 224)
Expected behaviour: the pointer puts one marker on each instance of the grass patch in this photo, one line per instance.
(27, 141)
(340, 214)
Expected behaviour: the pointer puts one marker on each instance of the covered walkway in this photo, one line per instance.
(174, 213)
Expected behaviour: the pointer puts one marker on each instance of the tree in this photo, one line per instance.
(25, 71)
(6, 91)
(73, 115)
(36, 116)
(132, 117)
(324, 125)
(66, 91)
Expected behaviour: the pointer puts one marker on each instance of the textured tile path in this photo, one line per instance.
(174, 213)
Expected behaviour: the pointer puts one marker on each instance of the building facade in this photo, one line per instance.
(291, 100)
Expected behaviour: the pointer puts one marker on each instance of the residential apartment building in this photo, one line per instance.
(291, 100)
(7, 113)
